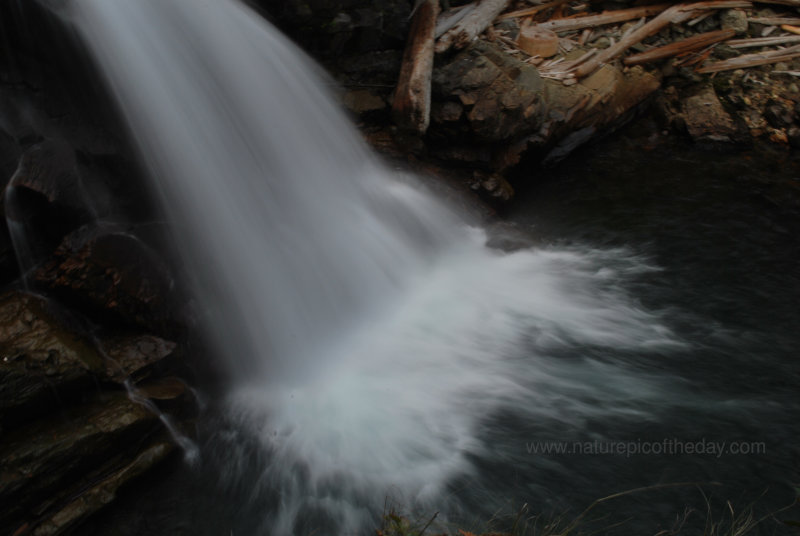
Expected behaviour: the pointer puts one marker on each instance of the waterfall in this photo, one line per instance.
(370, 331)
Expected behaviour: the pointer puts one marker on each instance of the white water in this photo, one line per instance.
(371, 333)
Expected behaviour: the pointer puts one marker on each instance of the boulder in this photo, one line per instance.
(43, 201)
(104, 270)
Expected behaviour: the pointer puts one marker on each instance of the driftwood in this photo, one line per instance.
(608, 17)
(537, 42)
(774, 21)
(451, 17)
(690, 44)
(472, 25)
(763, 41)
(752, 60)
(790, 28)
(527, 12)
(411, 107)
(673, 15)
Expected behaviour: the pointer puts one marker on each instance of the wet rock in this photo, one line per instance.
(102, 493)
(43, 363)
(43, 201)
(133, 357)
(171, 395)
(706, 119)
(48, 463)
(163, 389)
(105, 270)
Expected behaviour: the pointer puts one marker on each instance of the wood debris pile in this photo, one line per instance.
(568, 40)
(708, 37)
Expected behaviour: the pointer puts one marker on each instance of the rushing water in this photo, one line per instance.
(380, 352)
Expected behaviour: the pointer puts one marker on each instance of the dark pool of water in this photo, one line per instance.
(723, 227)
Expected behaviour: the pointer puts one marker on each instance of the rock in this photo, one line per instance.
(793, 135)
(734, 19)
(601, 42)
(493, 186)
(42, 202)
(105, 270)
(361, 101)
(779, 115)
(447, 111)
(706, 119)
(9, 155)
(48, 463)
(330, 27)
(133, 357)
(101, 494)
(43, 363)
(163, 389)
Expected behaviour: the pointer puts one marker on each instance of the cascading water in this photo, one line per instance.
(372, 335)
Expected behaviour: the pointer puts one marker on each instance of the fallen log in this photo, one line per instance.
(752, 60)
(763, 41)
(673, 15)
(472, 25)
(607, 17)
(411, 106)
(690, 44)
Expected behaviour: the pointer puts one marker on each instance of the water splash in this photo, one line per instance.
(373, 332)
